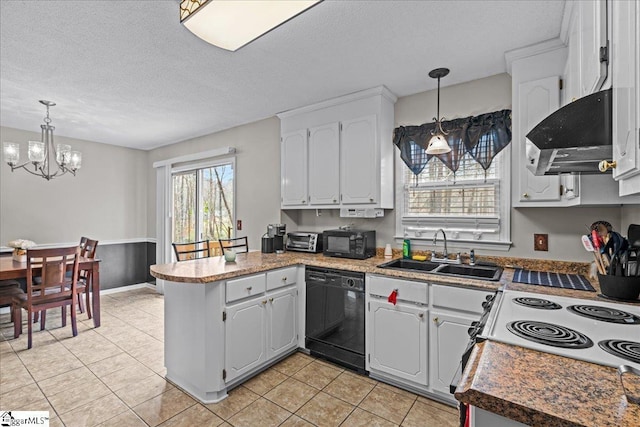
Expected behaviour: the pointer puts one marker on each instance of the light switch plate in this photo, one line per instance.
(540, 242)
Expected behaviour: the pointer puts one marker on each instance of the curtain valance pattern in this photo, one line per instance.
(483, 137)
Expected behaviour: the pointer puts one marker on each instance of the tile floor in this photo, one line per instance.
(114, 376)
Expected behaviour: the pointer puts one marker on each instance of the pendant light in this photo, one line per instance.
(438, 143)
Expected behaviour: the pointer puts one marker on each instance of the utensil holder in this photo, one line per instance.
(619, 287)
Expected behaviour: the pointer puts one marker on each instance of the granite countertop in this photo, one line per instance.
(542, 389)
(525, 385)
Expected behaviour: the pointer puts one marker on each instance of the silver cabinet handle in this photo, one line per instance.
(271, 300)
(264, 302)
(284, 279)
(421, 315)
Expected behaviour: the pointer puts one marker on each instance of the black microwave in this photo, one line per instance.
(356, 244)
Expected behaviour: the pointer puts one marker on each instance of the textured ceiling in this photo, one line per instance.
(128, 73)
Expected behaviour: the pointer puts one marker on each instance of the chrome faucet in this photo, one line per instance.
(435, 240)
(445, 253)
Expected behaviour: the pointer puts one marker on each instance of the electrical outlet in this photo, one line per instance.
(239, 224)
(540, 242)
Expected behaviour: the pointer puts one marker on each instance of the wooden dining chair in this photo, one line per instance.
(54, 290)
(8, 290)
(193, 250)
(88, 250)
(215, 249)
(239, 244)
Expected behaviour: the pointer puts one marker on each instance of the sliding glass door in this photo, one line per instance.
(203, 202)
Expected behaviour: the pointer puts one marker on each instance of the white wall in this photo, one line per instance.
(106, 200)
(257, 173)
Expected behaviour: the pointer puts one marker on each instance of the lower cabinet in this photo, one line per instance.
(259, 330)
(448, 340)
(398, 340)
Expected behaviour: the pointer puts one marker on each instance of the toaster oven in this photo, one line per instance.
(304, 241)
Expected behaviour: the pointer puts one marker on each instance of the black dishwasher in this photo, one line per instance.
(335, 324)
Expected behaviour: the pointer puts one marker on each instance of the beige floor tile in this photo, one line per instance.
(388, 403)
(264, 382)
(238, 399)
(78, 395)
(423, 415)
(39, 404)
(349, 388)
(127, 377)
(260, 413)
(162, 407)
(21, 397)
(317, 374)
(293, 363)
(144, 390)
(95, 412)
(14, 376)
(296, 421)
(397, 390)
(70, 379)
(291, 394)
(441, 406)
(112, 364)
(197, 415)
(52, 368)
(361, 418)
(126, 419)
(325, 410)
(55, 422)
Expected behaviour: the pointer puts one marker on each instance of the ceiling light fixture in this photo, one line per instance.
(233, 24)
(438, 143)
(42, 154)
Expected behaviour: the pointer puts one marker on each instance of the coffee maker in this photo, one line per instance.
(274, 239)
(278, 232)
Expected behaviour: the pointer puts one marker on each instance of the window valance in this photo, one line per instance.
(483, 137)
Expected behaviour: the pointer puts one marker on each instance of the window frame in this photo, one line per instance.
(459, 237)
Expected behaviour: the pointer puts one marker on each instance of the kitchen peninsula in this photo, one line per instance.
(204, 359)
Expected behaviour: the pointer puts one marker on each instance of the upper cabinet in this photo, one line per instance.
(626, 94)
(339, 153)
(591, 18)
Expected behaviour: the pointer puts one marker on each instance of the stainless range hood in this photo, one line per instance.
(574, 139)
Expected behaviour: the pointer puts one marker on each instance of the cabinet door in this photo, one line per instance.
(245, 339)
(593, 35)
(625, 45)
(449, 339)
(282, 326)
(324, 164)
(398, 340)
(359, 164)
(571, 88)
(293, 167)
(536, 100)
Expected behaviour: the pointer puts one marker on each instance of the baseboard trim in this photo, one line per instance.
(5, 310)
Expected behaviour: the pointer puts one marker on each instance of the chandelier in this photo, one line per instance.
(438, 143)
(48, 161)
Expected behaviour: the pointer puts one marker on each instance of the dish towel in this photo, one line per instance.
(554, 280)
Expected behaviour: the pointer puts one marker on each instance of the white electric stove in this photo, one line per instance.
(606, 333)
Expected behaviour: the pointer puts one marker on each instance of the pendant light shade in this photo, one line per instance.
(438, 143)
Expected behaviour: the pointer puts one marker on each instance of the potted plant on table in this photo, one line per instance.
(20, 247)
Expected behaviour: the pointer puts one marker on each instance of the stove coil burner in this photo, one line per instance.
(605, 314)
(628, 350)
(549, 334)
(538, 303)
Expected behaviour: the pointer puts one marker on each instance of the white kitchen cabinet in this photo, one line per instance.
(593, 36)
(358, 161)
(245, 337)
(282, 325)
(349, 153)
(259, 330)
(536, 99)
(626, 94)
(448, 340)
(398, 341)
(293, 166)
(324, 171)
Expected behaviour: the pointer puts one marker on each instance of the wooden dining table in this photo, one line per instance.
(10, 269)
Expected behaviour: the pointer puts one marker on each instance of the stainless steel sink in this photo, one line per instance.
(482, 272)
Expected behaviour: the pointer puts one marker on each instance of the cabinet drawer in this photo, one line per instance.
(407, 291)
(458, 298)
(283, 277)
(245, 287)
